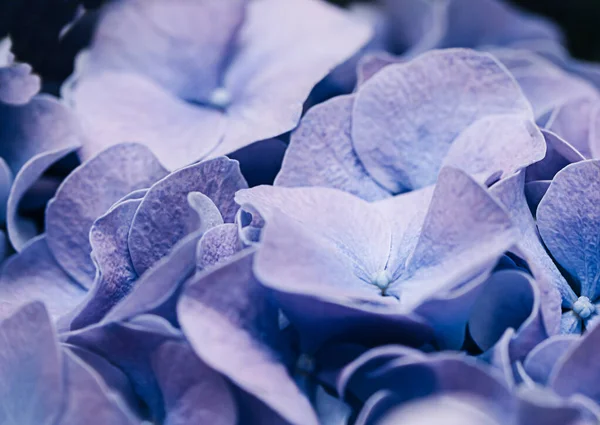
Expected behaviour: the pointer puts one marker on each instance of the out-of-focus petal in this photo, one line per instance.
(17, 84)
(542, 359)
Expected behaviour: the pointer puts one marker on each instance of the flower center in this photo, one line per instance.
(220, 98)
(583, 307)
(381, 279)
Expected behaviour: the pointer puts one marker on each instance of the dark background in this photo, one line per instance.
(34, 26)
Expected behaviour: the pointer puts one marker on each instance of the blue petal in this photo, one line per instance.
(217, 245)
(558, 155)
(543, 358)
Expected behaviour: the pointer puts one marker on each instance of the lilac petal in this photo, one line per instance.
(86, 194)
(543, 358)
(550, 282)
(268, 81)
(183, 46)
(318, 240)
(568, 220)
(136, 194)
(129, 346)
(371, 64)
(558, 155)
(42, 125)
(321, 153)
(192, 392)
(159, 283)
(577, 372)
(32, 170)
(165, 216)
(115, 273)
(475, 229)
(32, 275)
(512, 143)
(542, 407)
(575, 122)
(122, 107)
(430, 108)
(31, 377)
(17, 84)
(217, 245)
(545, 85)
(261, 161)
(88, 399)
(534, 192)
(507, 300)
(229, 320)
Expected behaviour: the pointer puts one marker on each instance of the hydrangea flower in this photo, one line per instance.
(455, 108)
(390, 265)
(113, 219)
(194, 80)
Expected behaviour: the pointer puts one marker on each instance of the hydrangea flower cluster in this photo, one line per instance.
(283, 212)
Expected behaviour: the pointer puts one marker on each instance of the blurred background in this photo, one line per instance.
(34, 26)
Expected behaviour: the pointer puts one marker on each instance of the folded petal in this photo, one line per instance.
(192, 391)
(321, 153)
(34, 275)
(115, 274)
(575, 122)
(159, 284)
(436, 97)
(31, 371)
(86, 194)
(217, 245)
(268, 80)
(231, 323)
(544, 357)
(558, 155)
(165, 216)
(534, 192)
(32, 170)
(568, 219)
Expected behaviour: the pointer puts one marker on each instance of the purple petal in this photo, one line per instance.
(34, 275)
(86, 194)
(371, 64)
(543, 358)
(217, 245)
(268, 80)
(577, 371)
(568, 220)
(32, 170)
(575, 122)
(160, 283)
(31, 376)
(122, 107)
(436, 96)
(183, 46)
(17, 84)
(499, 357)
(88, 400)
(115, 274)
(321, 153)
(165, 217)
(558, 155)
(192, 392)
(232, 326)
